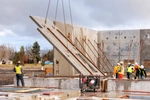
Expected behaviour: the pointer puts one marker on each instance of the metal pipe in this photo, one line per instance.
(90, 48)
(99, 54)
(84, 50)
(104, 55)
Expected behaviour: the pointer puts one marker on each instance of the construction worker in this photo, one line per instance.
(116, 70)
(129, 70)
(136, 70)
(121, 70)
(143, 72)
(19, 73)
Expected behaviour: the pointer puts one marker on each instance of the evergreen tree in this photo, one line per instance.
(22, 55)
(36, 52)
(16, 57)
(48, 56)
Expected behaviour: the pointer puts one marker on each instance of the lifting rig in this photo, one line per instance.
(89, 72)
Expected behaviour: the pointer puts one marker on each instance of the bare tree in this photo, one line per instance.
(10, 52)
(6, 52)
(2, 52)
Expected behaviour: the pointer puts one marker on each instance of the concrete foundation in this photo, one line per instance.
(60, 83)
(73, 83)
(128, 85)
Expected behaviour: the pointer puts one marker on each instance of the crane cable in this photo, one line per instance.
(73, 33)
(70, 13)
(47, 12)
(56, 10)
(64, 14)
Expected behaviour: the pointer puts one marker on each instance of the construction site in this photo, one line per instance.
(83, 53)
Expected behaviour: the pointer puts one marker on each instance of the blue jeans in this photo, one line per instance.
(129, 75)
(20, 77)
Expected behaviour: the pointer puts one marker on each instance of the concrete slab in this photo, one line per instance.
(57, 94)
(64, 94)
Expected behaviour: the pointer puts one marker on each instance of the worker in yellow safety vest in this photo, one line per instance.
(121, 70)
(116, 70)
(19, 73)
(129, 71)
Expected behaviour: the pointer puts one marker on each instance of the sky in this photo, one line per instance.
(17, 29)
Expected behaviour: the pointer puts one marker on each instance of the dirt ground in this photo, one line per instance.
(26, 66)
(7, 75)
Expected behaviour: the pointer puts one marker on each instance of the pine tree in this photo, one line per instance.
(36, 52)
(22, 55)
(16, 57)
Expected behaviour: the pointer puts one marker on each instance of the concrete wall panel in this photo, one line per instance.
(145, 47)
(117, 44)
(81, 34)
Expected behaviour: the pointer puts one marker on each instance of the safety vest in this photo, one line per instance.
(18, 69)
(121, 70)
(136, 67)
(130, 69)
(116, 69)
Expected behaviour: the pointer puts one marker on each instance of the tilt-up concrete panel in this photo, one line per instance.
(73, 55)
(84, 36)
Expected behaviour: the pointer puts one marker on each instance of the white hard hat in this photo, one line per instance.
(121, 62)
(129, 63)
(136, 63)
(142, 66)
(118, 64)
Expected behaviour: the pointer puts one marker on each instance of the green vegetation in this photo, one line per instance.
(27, 55)
(36, 52)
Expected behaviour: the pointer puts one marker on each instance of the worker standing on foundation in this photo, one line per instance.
(116, 70)
(121, 70)
(129, 71)
(136, 70)
(143, 72)
(19, 73)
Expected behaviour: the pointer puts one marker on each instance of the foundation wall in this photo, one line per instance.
(61, 83)
(129, 85)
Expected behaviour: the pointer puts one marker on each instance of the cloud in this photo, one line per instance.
(7, 32)
(115, 13)
(96, 14)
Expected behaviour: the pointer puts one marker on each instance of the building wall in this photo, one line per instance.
(116, 44)
(145, 48)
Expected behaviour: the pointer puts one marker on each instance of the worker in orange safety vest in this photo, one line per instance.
(116, 70)
(136, 70)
